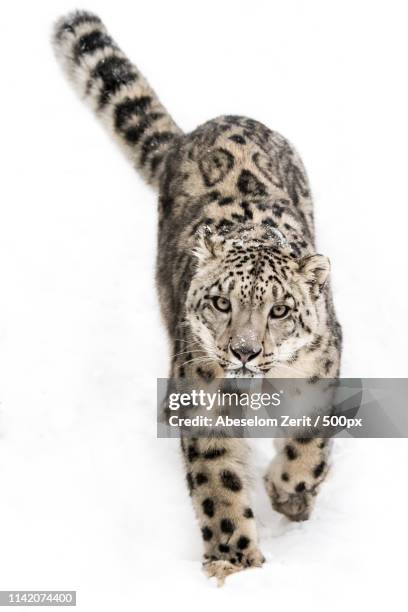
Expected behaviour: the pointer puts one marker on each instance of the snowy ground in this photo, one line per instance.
(91, 500)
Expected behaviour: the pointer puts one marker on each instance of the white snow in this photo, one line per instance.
(90, 499)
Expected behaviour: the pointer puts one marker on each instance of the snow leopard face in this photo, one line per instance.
(251, 305)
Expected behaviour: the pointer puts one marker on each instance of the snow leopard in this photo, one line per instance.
(242, 288)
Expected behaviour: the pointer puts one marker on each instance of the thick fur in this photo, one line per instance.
(116, 90)
(236, 225)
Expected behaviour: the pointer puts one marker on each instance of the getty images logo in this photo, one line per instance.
(221, 399)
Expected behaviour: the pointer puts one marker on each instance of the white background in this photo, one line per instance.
(89, 498)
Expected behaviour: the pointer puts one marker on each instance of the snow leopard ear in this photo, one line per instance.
(315, 270)
(206, 245)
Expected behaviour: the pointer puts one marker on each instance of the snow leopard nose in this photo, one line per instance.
(244, 353)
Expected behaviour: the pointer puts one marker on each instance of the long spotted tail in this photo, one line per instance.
(116, 90)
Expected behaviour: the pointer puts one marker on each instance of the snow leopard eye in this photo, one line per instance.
(279, 311)
(221, 304)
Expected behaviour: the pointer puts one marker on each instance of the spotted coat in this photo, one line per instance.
(242, 289)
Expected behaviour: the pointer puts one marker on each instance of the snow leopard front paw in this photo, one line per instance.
(293, 484)
(221, 565)
(295, 506)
